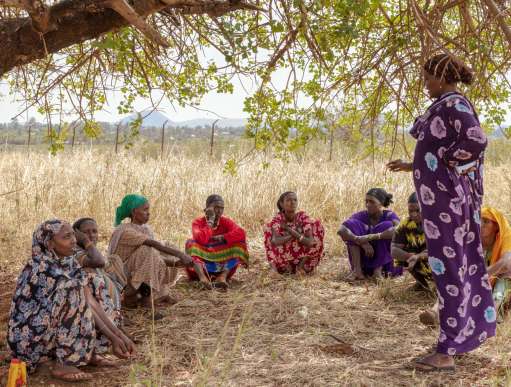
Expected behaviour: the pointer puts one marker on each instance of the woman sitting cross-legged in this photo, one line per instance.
(150, 269)
(293, 241)
(218, 245)
(55, 315)
(368, 236)
(409, 246)
(110, 277)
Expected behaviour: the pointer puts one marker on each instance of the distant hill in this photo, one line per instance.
(157, 119)
(150, 118)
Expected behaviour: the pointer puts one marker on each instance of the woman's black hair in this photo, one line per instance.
(412, 199)
(381, 195)
(281, 199)
(213, 198)
(81, 221)
(443, 66)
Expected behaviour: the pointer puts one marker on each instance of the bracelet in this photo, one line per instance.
(301, 238)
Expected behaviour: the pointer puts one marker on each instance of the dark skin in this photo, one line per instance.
(289, 205)
(489, 231)
(141, 216)
(87, 235)
(397, 250)
(375, 210)
(64, 244)
(435, 86)
(213, 214)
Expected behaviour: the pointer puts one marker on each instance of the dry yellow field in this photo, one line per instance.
(268, 330)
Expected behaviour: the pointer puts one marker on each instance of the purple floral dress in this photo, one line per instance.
(449, 138)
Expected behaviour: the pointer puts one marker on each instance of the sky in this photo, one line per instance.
(213, 105)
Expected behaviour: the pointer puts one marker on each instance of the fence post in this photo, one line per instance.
(29, 138)
(163, 137)
(212, 140)
(117, 136)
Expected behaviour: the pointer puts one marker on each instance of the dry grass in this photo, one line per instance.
(268, 330)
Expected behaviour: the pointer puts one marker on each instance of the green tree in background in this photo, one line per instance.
(361, 58)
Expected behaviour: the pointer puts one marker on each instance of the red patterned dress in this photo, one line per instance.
(286, 257)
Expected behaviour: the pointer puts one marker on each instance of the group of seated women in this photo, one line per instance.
(67, 302)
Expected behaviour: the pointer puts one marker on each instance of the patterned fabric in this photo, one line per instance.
(285, 258)
(360, 224)
(449, 136)
(411, 237)
(108, 281)
(143, 264)
(49, 316)
(216, 256)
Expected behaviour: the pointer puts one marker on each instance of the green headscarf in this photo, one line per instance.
(128, 204)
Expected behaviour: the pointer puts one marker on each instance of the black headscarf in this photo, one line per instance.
(213, 198)
(381, 195)
(412, 199)
(281, 199)
(81, 221)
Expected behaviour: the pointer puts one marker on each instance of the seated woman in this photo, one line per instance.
(293, 241)
(110, 277)
(54, 314)
(496, 243)
(218, 245)
(149, 269)
(409, 246)
(368, 235)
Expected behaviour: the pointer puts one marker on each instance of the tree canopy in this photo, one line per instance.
(362, 58)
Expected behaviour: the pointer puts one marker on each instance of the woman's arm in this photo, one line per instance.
(347, 236)
(234, 232)
(184, 258)
(399, 166)
(278, 240)
(305, 239)
(93, 258)
(503, 265)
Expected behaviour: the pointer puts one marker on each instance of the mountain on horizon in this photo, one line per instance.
(157, 119)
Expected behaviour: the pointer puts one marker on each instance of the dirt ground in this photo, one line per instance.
(270, 330)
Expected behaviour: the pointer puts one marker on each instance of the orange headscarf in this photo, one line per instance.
(502, 243)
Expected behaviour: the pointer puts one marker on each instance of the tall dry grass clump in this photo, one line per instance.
(268, 330)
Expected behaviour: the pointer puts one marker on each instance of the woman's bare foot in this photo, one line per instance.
(103, 361)
(69, 373)
(353, 277)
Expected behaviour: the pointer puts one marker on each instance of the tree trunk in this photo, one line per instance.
(212, 140)
(74, 21)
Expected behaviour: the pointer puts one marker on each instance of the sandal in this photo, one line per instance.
(423, 366)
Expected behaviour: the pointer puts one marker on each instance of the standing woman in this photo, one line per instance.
(447, 171)
(293, 241)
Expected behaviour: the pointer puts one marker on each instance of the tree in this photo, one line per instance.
(365, 55)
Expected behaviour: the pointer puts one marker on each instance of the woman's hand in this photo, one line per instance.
(412, 261)
(210, 216)
(186, 260)
(81, 238)
(218, 238)
(399, 166)
(368, 250)
(120, 349)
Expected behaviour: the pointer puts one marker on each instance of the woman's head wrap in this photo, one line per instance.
(43, 234)
(128, 204)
